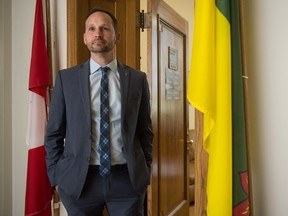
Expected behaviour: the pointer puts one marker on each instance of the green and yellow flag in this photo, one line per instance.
(214, 62)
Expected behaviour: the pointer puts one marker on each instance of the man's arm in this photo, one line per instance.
(56, 130)
(145, 123)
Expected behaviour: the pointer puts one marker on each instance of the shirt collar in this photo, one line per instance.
(94, 66)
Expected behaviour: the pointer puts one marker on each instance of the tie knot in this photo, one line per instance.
(104, 70)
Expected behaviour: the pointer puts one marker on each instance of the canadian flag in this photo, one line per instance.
(38, 188)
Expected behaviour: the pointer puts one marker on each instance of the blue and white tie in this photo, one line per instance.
(104, 143)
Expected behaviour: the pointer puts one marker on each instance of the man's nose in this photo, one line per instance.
(98, 33)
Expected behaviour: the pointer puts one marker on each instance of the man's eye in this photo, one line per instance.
(91, 29)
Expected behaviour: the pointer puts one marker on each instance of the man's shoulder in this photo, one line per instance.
(75, 68)
(130, 69)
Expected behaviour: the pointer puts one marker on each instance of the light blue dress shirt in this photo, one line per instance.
(116, 142)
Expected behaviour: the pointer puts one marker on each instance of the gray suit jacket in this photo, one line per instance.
(68, 134)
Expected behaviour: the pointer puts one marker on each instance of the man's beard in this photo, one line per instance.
(107, 47)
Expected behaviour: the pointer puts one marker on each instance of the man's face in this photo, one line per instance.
(100, 36)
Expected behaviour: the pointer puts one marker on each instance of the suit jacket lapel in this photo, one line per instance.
(83, 75)
(124, 83)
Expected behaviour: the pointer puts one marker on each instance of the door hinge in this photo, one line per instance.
(145, 20)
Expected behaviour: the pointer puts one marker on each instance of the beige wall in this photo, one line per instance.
(22, 25)
(267, 56)
(5, 109)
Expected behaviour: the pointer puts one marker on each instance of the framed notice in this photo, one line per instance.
(172, 58)
(172, 84)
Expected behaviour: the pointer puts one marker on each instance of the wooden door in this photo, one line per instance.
(169, 188)
(127, 15)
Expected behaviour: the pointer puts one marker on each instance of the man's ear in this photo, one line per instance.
(117, 37)
(84, 39)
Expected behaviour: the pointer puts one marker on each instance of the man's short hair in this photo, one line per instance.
(114, 20)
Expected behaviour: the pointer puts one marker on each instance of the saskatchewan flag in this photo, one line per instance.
(215, 88)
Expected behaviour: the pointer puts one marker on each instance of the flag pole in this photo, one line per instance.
(245, 92)
(201, 167)
(56, 199)
(48, 44)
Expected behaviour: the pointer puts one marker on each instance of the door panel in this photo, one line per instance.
(172, 133)
(126, 13)
(168, 68)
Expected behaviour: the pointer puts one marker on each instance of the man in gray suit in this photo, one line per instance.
(73, 134)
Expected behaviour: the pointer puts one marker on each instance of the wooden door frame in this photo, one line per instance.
(73, 33)
(152, 70)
